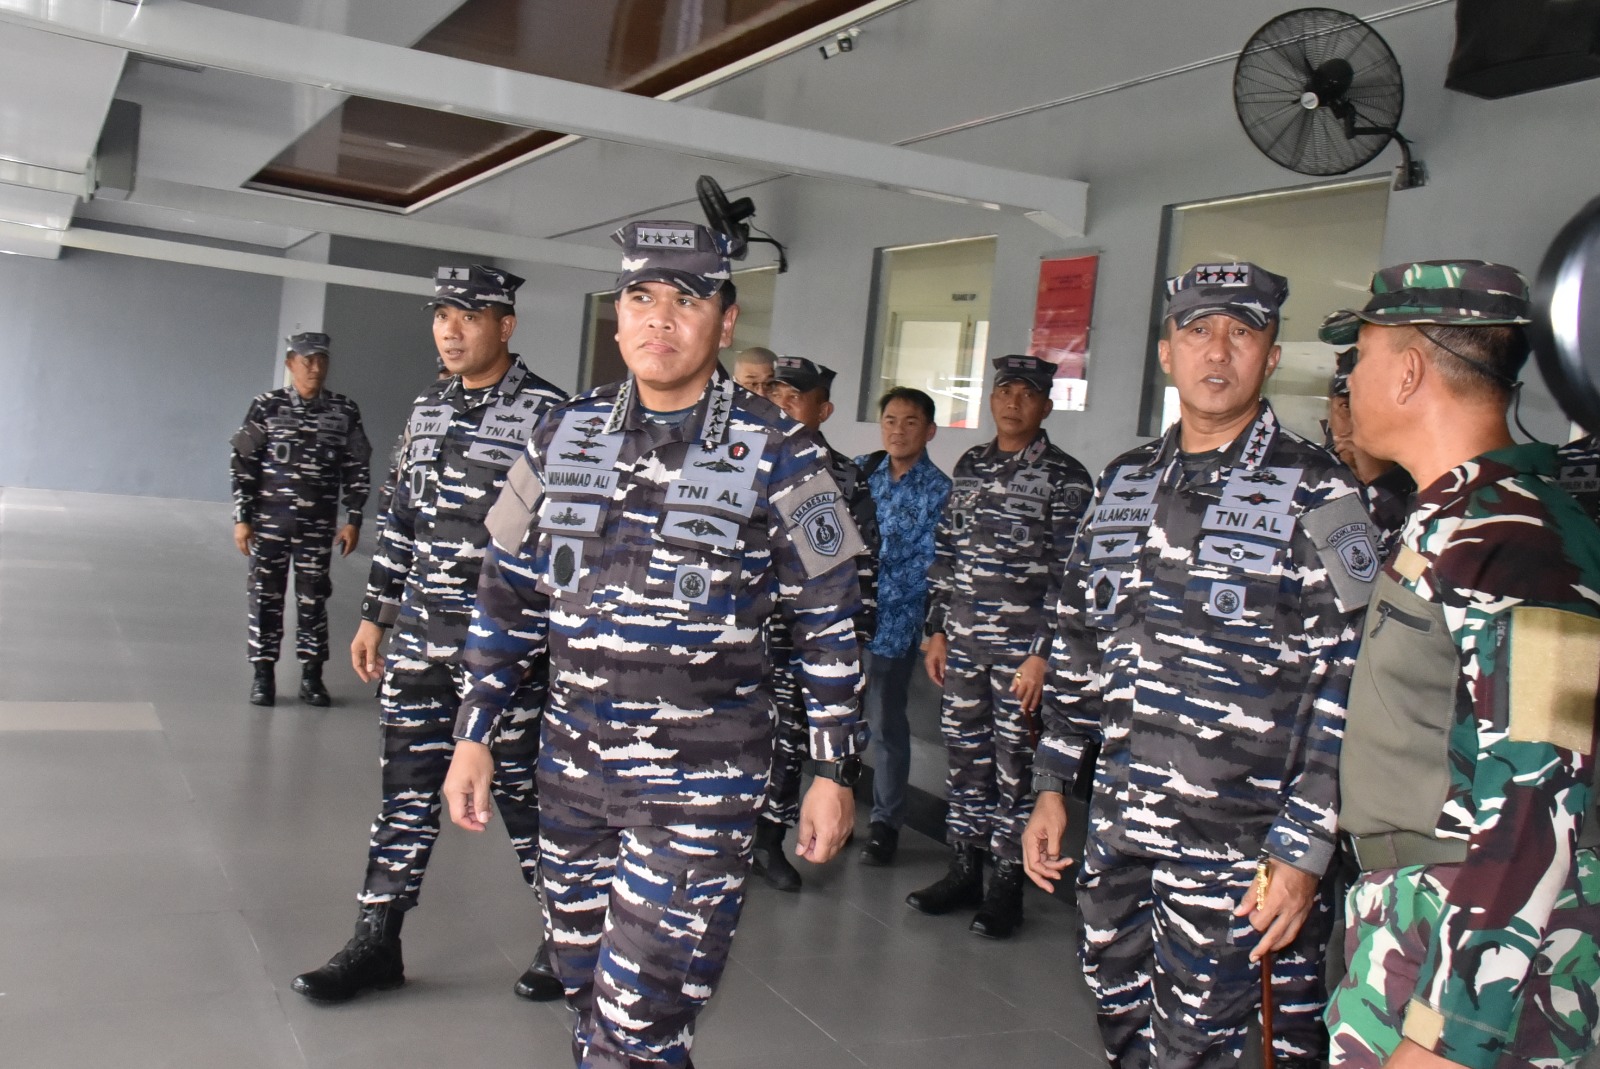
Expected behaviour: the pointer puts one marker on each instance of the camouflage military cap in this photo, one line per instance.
(1343, 364)
(474, 288)
(1035, 371)
(686, 255)
(1243, 291)
(804, 375)
(1456, 293)
(309, 343)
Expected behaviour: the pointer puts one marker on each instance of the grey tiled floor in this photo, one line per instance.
(170, 857)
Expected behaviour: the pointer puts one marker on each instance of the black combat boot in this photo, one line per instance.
(768, 861)
(1001, 911)
(369, 962)
(312, 692)
(264, 688)
(539, 983)
(882, 842)
(961, 887)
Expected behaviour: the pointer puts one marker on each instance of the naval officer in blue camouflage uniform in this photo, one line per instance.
(803, 389)
(301, 449)
(653, 529)
(998, 554)
(464, 433)
(1207, 630)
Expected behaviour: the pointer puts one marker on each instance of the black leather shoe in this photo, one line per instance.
(370, 961)
(768, 861)
(882, 842)
(539, 983)
(1001, 911)
(960, 888)
(264, 688)
(312, 692)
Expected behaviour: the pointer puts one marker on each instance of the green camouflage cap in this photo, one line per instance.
(1453, 293)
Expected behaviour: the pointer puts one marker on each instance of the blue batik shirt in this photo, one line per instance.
(908, 512)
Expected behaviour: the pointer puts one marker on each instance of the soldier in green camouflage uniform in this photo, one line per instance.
(1466, 778)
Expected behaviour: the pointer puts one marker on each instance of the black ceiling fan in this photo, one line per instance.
(1320, 92)
(731, 220)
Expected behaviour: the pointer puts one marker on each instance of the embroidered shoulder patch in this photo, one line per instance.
(1347, 544)
(818, 520)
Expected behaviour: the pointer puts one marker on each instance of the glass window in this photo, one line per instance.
(930, 326)
(1327, 240)
(602, 360)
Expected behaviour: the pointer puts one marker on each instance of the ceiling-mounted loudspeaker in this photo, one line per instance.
(731, 219)
(1319, 91)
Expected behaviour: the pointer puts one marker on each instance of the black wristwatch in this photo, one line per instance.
(846, 771)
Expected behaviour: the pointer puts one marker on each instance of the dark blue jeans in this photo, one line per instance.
(888, 681)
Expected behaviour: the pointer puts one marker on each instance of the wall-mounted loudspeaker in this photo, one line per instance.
(1506, 47)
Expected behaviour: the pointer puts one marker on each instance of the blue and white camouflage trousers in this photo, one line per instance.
(418, 722)
(1169, 963)
(640, 921)
(989, 741)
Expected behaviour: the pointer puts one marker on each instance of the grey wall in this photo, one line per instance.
(128, 376)
(1505, 175)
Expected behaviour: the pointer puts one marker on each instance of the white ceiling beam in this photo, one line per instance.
(299, 214)
(190, 33)
(18, 239)
(182, 252)
(50, 179)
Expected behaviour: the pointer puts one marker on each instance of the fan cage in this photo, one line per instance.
(1277, 69)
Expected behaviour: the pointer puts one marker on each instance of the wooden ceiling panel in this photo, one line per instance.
(397, 155)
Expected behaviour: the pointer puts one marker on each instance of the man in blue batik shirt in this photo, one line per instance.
(910, 493)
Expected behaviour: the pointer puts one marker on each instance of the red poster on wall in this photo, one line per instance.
(1061, 317)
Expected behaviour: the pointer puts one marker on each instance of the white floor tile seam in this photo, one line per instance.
(781, 998)
(44, 717)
